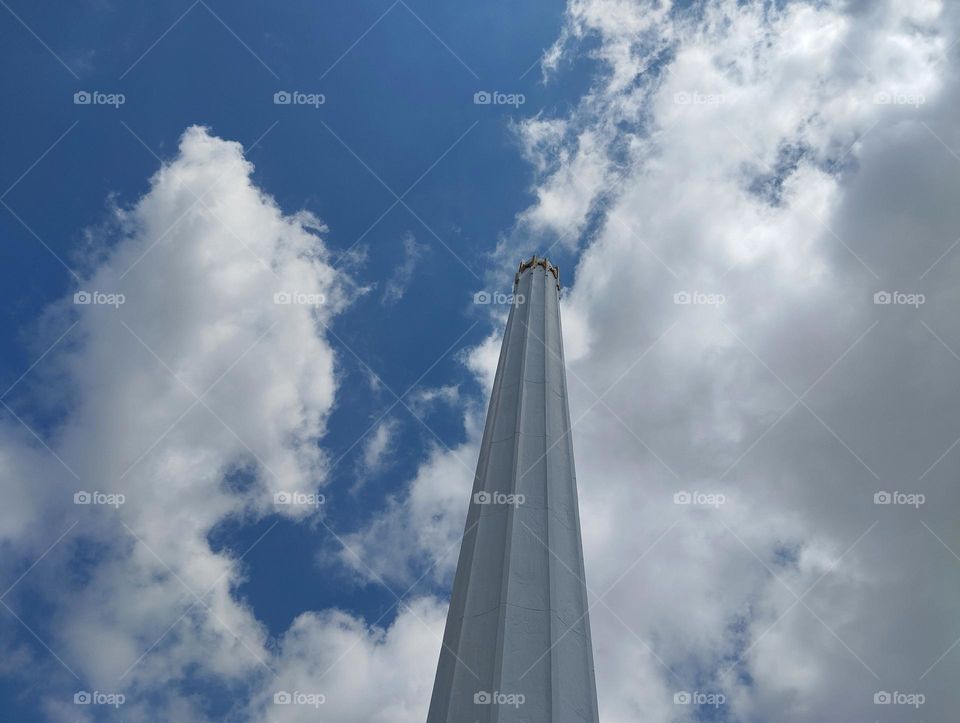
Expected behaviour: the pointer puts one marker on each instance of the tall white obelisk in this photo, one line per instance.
(517, 640)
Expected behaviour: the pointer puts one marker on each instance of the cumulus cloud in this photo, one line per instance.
(754, 192)
(762, 320)
(754, 227)
(336, 667)
(195, 381)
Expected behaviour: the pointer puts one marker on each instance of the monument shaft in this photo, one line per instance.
(517, 641)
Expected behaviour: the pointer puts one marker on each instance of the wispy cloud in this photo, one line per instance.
(377, 448)
(398, 283)
(422, 400)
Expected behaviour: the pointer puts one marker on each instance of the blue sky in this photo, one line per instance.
(398, 95)
(639, 157)
(400, 99)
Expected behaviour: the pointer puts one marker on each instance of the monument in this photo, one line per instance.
(517, 646)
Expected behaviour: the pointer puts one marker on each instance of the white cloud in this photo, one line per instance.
(198, 373)
(423, 399)
(378, 445)
(138, 601)
(377, 449)
(566, 196)
(756, 171)
(398, 282)
(482, 361)
(752, 160)
(756, 160)
(417, 533)
(363, 673)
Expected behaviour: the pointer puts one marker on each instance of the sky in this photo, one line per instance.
(255, 259)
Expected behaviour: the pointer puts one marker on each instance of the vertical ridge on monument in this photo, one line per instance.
(517, 641)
